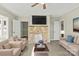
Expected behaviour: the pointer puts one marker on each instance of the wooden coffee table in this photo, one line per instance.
(41, 51)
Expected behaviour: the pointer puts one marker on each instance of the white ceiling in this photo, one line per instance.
(55, 9)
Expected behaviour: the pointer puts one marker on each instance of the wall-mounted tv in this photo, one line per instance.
(39, 20)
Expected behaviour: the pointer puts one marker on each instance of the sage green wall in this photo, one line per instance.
(68, 21)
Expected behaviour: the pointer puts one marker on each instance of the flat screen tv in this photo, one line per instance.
(39, 20)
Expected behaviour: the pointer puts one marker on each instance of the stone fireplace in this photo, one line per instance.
(33, 30)
(43, 29)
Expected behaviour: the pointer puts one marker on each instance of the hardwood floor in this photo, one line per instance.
(54, 50)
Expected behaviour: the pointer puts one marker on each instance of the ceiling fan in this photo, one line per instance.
(44, 5)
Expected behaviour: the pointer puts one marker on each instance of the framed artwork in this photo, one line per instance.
(62, 25)
(76, 24)
(62, 28)
(4, 22)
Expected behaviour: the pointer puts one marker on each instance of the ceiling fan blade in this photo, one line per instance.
(35, 4)
(44, 6)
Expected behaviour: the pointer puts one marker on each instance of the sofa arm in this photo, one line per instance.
(62, 38)
(23, 39)
(6, 52)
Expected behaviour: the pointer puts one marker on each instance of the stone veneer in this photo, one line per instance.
(33, 30)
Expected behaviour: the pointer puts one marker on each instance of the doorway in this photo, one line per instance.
(24, 29)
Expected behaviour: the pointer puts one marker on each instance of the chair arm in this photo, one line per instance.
(23, 39)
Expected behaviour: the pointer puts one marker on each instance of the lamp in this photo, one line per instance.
(62, 33)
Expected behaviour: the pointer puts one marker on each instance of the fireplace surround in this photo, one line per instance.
(33, 30)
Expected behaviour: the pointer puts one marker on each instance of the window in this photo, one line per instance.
(3, 27)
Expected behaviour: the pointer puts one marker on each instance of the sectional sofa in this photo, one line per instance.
(12, 46)
(71, 47)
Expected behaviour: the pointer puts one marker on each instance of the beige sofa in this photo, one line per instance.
(20, 41)
(10, 52)
(13, 46)
(8, 49)
(71, 47)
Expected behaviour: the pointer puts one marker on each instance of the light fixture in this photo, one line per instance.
(62, 32)
(43, 4)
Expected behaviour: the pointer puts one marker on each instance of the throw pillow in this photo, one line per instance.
(1, 47)
(11, 39)
(70, 39)
(18, 39)
(7, 46)
(75, 38)
(15, 38)
(77, 41)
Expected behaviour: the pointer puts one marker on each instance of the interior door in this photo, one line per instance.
(16, 28)
(56, 30)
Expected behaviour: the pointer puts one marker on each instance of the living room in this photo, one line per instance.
(26, 26)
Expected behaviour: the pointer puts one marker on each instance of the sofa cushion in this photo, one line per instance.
(74, 47)
(64, 42)
(70, 39)
(7, 46)
(16, 51)
(16, 44)
(13, 38)
(1, 47)
(19, 39)
(75, 38)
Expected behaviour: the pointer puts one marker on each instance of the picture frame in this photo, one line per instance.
(76, 24)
